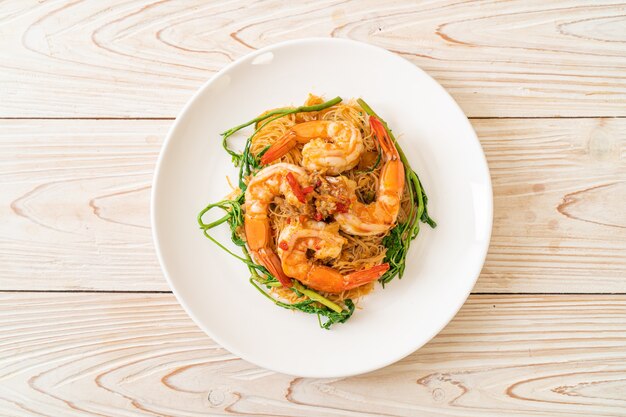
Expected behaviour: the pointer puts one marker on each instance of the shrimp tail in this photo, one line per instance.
(271, 261)
(356, 279)
(279, 148)
(387, 145)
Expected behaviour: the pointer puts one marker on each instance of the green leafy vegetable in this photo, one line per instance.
(309, 306)
(397, 241)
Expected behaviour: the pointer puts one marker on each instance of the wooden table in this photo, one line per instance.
(88, 326)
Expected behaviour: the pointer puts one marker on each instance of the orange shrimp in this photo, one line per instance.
(279, 179)
(332, 147)
(380, 215)
(297, 239)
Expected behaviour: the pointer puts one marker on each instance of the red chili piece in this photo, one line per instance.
(295, 187)
(318, 216)
(307, 190)
(341, 208)
(283, 245)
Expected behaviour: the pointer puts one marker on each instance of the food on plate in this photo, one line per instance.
(326, 205)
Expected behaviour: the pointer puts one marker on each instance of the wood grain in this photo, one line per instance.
(74, 209)
(145, 58)
(140, 355)
(75, 205)
(559, 205)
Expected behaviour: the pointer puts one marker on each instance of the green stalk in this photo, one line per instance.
(237, 158)
(315, 296)
(257, 119)
(307, 306)
(283, 111)
(371, 112)
(266, 295)
(252, 270)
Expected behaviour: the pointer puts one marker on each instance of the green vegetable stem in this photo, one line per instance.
(397, 241)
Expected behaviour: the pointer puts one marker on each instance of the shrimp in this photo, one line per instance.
(279, 179)
(325, 241)
(332, 147)
(380, 215)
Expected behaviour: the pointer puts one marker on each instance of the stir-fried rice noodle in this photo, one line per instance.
(360, 252)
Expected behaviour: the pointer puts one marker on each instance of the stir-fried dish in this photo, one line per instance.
(326, 205)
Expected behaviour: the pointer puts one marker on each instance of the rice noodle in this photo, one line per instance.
(360, 252)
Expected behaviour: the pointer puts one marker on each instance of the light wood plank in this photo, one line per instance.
(136, 355)
(145, 58)
(559, 205)
(75, 204)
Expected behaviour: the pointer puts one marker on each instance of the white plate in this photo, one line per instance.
(443, 263)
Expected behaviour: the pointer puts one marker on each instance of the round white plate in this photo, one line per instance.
(443, 263)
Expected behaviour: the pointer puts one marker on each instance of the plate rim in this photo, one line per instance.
(158, 173)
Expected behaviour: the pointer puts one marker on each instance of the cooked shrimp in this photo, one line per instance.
(332, 147)
(279, 179)
(380, 215)
(325, 241)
